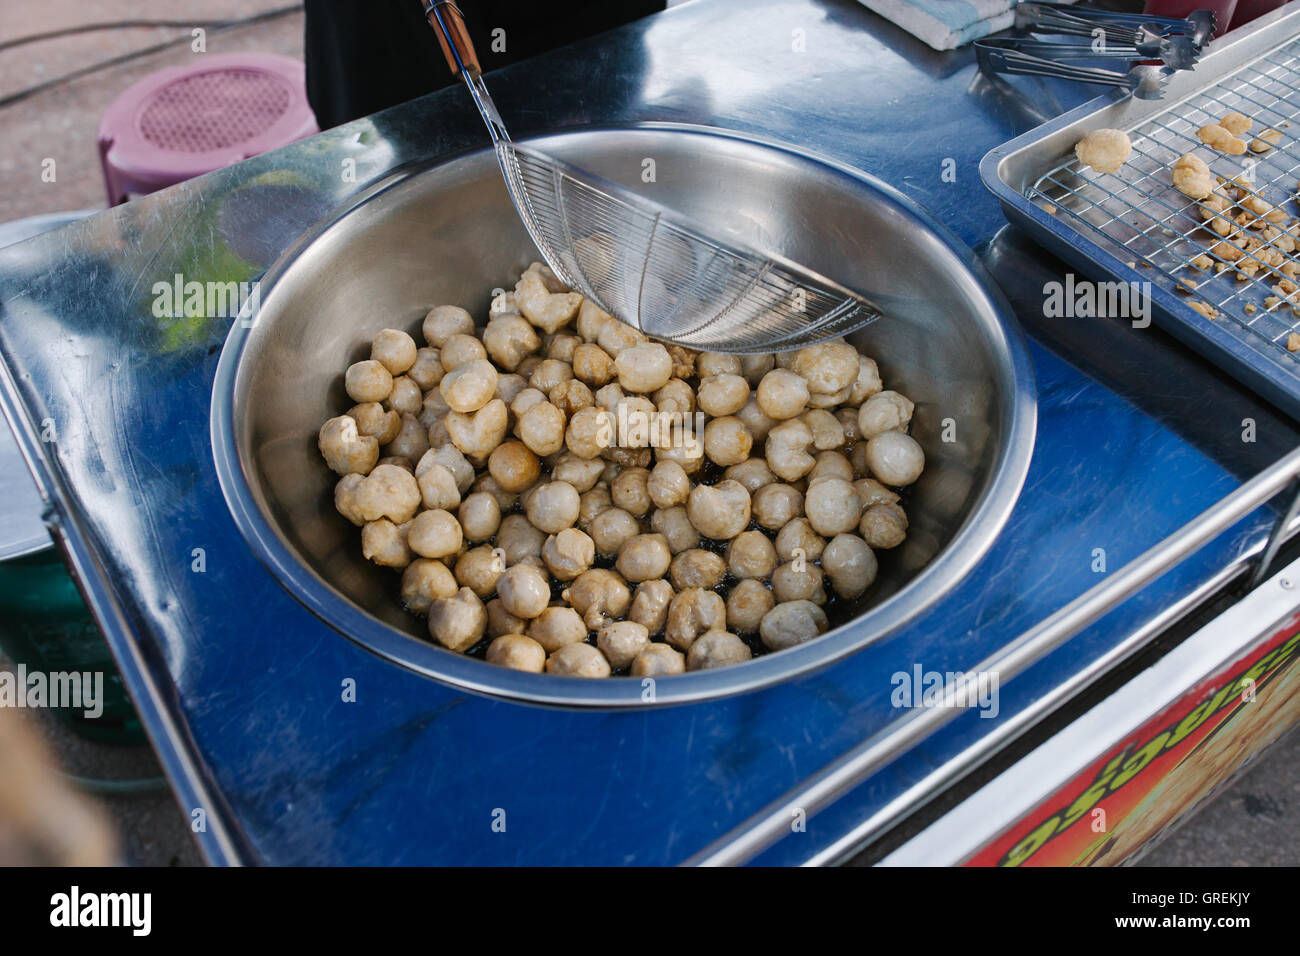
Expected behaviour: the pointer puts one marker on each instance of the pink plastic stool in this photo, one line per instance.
(185, 121)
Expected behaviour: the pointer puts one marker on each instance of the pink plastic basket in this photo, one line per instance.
(183, 122)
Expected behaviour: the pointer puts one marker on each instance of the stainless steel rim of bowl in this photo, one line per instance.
(968, 544)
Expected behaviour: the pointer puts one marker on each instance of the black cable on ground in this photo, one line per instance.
(214, 25)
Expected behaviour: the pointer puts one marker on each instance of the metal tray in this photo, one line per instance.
(1133, 226)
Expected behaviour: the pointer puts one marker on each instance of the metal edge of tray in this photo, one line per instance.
(833, 781)
(1007, 170)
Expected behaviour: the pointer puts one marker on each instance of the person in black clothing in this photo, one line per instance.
(366, 56)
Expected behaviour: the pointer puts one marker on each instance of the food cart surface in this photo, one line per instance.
(241, 688)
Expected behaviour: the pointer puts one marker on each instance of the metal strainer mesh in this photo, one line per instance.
(640, 262)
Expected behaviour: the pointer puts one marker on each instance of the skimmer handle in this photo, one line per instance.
(449, 23)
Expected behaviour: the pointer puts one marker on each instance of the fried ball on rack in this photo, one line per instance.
(1192, 177)
(1104, 150)
(1216, 137)
(1235, 123)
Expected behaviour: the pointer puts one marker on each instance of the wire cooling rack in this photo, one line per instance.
(1139, 216)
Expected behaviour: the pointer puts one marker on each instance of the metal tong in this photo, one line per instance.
(1008, 55)
(1133, 29)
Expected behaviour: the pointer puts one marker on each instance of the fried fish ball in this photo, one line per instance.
(381, 424)
(867, 382)
(1216, 137)
(479, 569)
(798, 539)
(405, 398)
(668, 485)
(568, 554)
(427, 371)
(643, 557)
(675, 525)
(514, 466)
(719, 511)
(345, 449)
(631, 491)
(477, 433)
(592, 365)
(650, 604)
(643, 368)
(460, 350)
(553, 507)
(774, 505)
(755, 420)
(578, 660)
(1192, 177)
(1235, 123)
(895, 459)
(1105, 150)
(509, 339)
(1265, 141)
(388, 492)
(394, 349)
(611, 529)
(519, 539)
(470, 386)
(438, 488)
(850, 565)
(547, 310)
(444, 321)
(708, 364)
(791, 623)
(450, 458)
(754, 367)
(591, 319)
(727, 441)
(798, 581)
(883, 412)
(748, 601)
(717, 648)
(753, 473)
(582, 473)
(345, 498)
(872, 492)
(479, 515)
(457, 623)
(827, 432)
(658, 660)
(368, 381)
(830, 464)
(883, 526)
(691, 613)
(424, 581)
(787, 450)
(676, 396)
(412, 440)
(385, 543)
(621, 642)
(599, 595)
(782, 394)
(500, 621)
(524, 591)
(570, 396)
(750, 555)
(828, 367)
(435, 534)
(591, 431)
(833, 506)
(557, 627)
(722, 395)
(517, 652)
(696, 568)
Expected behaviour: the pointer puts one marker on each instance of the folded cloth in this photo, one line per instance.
(946, 24)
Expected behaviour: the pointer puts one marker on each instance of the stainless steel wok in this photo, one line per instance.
(448, 234)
